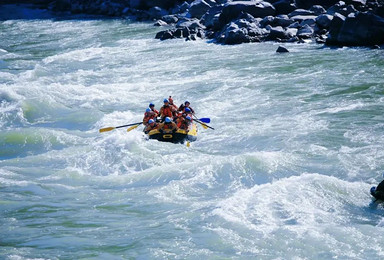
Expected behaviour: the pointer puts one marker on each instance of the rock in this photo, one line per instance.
(334, 28)
(284, 7)
(170, 19)
(324, 20)
(363, 29)
(160, 23)
(157, 12)
(232, 10)
(192, 24)
(291, 32)
(341, 8)
(305, 32)
(211, 18)
(306, 4)
(60, 6)
(311, 22)
(198, 8)
(164, 35)
(283, 21)
(301, 18)
(277, 33)
(318, 10)
(294, 25)
(282, 49)
(300, 12)
(241, 31)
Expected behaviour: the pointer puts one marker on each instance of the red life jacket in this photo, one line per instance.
(148, 116)
(167, 126)
(166, 111)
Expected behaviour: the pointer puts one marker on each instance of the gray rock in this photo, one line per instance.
(363, 29)
(284, 6)
(311, 22)
(334, 28)
(318, 10)
(198, 8)
(282, 49)
(170, 19)
(300, 18)
(232, 10)
(305, 32)
(324, 20)
(160, 23)
(301, 12)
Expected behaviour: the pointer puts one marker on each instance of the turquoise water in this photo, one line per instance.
(298, 142)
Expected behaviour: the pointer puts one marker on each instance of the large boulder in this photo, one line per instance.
(241, 31)
(198, 8)
(284, 6)
(211, 18)
(306, 4)
(362, 29)
(324, 21)
(232, 10)
(334, 29)
(147, 4)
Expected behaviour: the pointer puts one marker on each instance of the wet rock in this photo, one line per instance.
(282, 49)
(334, 28)
(324, 20)
(232, 10)
(241, 31)
(160, 23)
(311, 22)
(277, 34)
(362, 29)
(305, 32)
(170, 19)
(341, 8)
(284, 7)
(306, 4)
(317, 10)
(164, 35)
(301, 18)
(300, 12)
(157, 12)
(198, 8)
(192, 24)
(211, 18)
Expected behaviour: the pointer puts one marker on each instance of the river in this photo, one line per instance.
(298, 142)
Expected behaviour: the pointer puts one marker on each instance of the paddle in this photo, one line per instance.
(205, 120)
(132, 127)
(201, 122)
(204, 125)
(115, 127)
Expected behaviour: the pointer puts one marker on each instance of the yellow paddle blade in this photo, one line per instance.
(188, 144)
(204, 126)
(132, 127)
(106, 129)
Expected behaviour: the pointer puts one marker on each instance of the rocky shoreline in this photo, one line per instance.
(330, 22)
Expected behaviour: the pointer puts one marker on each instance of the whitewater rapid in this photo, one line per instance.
(285, 174)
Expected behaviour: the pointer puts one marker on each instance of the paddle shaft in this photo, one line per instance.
(198, 121)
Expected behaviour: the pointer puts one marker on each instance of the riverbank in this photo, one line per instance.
(334, 23)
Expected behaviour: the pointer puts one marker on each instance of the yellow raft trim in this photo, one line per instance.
(192, 131)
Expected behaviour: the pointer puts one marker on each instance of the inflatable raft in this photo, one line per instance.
(179, 136)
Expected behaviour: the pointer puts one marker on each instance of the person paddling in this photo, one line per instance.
(149, 114)
(152, 107)
(168, 124)
(186, 104)
(184, 123)
(151, 125)
(166, 110)
(378, 192)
